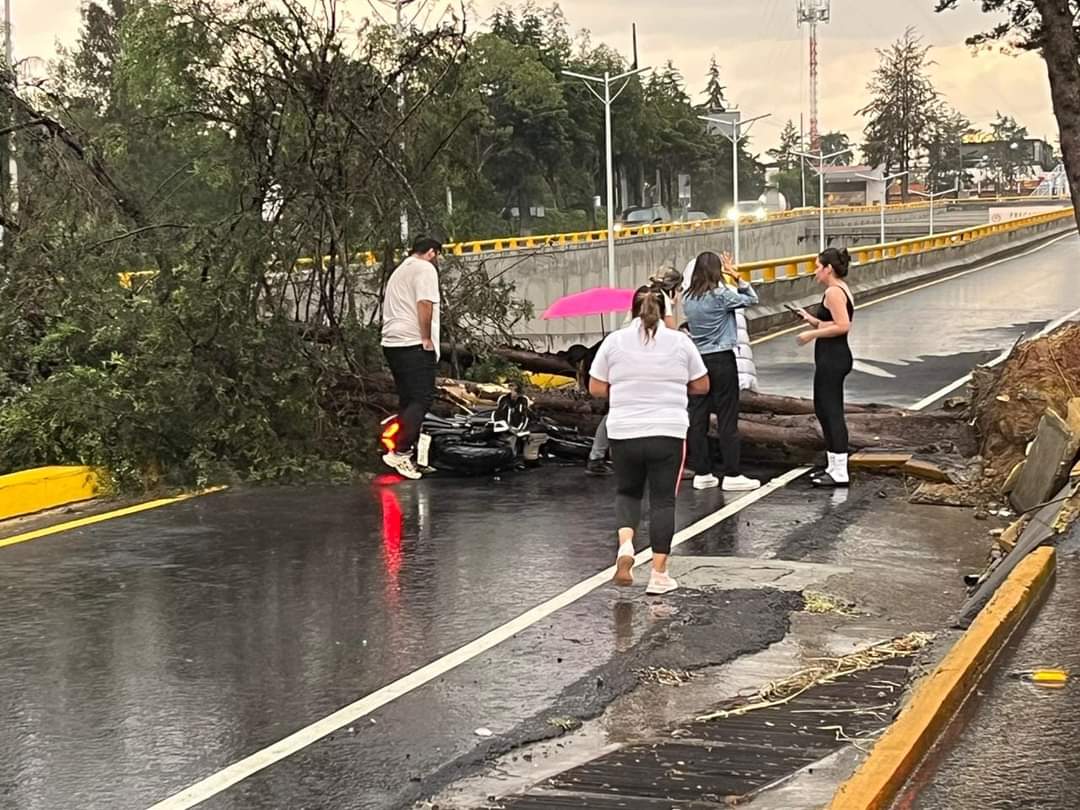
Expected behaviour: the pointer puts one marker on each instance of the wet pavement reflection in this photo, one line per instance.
(172, 643)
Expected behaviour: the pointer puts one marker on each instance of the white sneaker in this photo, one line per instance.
(661, 584)
(740, 483)
(624, 566)
(402, 465)
(706, 482)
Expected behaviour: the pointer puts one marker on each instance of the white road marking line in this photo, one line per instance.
(1001, 358)
(872, 370)
(250, 765)
(908, 291)
(241, 770)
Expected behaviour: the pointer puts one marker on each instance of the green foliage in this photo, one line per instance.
(194, 388)
(832, 142)
(495, 370)
(212, 146)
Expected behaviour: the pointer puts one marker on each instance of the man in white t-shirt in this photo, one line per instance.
(410, 340)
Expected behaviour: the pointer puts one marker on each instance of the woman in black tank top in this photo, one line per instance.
(830, 326)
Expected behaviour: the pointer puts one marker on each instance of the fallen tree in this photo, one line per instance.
(777, 426)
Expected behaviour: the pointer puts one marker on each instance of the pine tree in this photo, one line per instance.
(789, 141)
(714, 91)
(906, 109)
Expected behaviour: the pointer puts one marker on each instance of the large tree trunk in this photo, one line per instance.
(1061, 52)
(785, 427)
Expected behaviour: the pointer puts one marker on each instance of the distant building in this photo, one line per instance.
(844, 186)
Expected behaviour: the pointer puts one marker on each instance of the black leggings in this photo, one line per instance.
(657, 460)
(723, 400)
(832, 365)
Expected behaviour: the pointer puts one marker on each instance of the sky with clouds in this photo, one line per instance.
(759, 48)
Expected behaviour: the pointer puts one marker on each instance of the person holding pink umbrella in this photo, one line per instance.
(647, 370)
(597, 464)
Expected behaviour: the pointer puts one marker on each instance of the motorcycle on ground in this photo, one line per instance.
(509, 436)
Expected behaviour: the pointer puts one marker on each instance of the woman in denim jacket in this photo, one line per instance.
(710, 305)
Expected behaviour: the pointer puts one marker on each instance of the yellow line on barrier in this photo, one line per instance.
(925, 243)
(509, 243)
(898, 753)
(92, 519)
(41, 488)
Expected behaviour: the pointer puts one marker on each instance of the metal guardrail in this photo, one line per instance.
(772, 270)
(486, 246)
(509, 243)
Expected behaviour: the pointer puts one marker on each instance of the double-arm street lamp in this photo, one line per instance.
(607, 99)
(739, 130)
(821, 161)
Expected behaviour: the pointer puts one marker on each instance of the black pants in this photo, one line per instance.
(723, 400)
(832, 364)
(414, 375)
(656, 460)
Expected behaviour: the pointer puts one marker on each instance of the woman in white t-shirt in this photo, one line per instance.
(647, 370)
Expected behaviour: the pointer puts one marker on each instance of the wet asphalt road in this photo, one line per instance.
(140, 655)
(172, 643)
(1014, 745)
(927, 338)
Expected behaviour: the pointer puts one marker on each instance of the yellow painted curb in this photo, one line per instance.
(895, 757)
(29, 491)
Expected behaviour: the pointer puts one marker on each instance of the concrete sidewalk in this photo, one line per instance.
(901, 567)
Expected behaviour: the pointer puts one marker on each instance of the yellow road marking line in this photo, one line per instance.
(92, 519)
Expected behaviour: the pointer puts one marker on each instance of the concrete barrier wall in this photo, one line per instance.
(545, 277)
(880, 276)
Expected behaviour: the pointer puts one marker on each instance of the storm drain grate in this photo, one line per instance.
(710, 764)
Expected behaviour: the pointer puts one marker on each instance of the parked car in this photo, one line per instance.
(696, 216)
(748, 208)
(637, 216)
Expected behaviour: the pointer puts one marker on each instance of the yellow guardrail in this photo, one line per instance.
(794, 266)
(583, 237)
(510, 243)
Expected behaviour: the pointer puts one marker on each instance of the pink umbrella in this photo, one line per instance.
(597, 301)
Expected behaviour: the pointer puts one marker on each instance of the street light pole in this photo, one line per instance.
(610, 173)
(820, 158)
(737, 135)
(399, 41)
(931, 197)
(607, 99)
(884, 194)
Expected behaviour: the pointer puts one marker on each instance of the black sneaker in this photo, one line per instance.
(597, 467)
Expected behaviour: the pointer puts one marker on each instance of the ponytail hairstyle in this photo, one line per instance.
(648, 307)
(838, 260)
